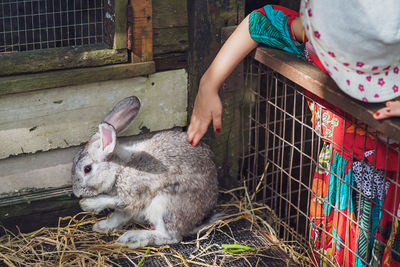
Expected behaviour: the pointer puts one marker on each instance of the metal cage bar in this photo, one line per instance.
(37, 24)
(331, 178)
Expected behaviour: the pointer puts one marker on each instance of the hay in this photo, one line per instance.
(73, 243)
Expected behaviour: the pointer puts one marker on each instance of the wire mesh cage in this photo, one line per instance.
(330, 178)
(39, 24)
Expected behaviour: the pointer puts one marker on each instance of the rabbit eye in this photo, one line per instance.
(87, 169)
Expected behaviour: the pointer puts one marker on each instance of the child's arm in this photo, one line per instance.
(207, 106)
(392, 109)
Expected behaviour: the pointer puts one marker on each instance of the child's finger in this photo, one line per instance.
(196, 138)
(190, 132)
(196, 131)
(217, 123)
(192, 129)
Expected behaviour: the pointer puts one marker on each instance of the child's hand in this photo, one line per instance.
(207, 108)
(392, 109)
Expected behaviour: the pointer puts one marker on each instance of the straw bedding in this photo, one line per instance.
(244, 236)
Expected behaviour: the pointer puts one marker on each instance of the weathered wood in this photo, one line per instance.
(27, 209)
(120, 24)
(52, 79)
(170, 61)
(229, 143)
(28, 175)
(320, 84)
(169, 14)
(169, 40)
(62, 117)
(31, 216)
(109, 23)
(142, 47)
(59, 58)
(170, 27)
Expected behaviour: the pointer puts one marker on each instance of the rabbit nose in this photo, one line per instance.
(75, 191)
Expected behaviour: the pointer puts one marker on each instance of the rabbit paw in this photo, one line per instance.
(134, 238)
(91, 205)
(103, 226)
(116, 220)
(141, 238)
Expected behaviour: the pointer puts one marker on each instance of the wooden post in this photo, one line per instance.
(120, 24)
(142, 28)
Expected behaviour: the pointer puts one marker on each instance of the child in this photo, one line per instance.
(208, 107)
(282, 28)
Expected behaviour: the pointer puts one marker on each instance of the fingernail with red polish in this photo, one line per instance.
(218, 130)
(377, 113)
(192, 143)
(388, 111)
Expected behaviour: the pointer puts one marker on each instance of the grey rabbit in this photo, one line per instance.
(157, 178)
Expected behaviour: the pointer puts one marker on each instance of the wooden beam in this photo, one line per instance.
(170, 27)
(60, 78)
(142, 45)
(44, 212)
(59, 58)
(120, 24)
(170, 61)
(170, 40)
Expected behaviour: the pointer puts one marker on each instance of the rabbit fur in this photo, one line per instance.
(156, 178)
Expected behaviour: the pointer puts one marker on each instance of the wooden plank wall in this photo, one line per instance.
(170, 34)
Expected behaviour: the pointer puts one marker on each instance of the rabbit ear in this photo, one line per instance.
(108, 139)
(124, 112)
